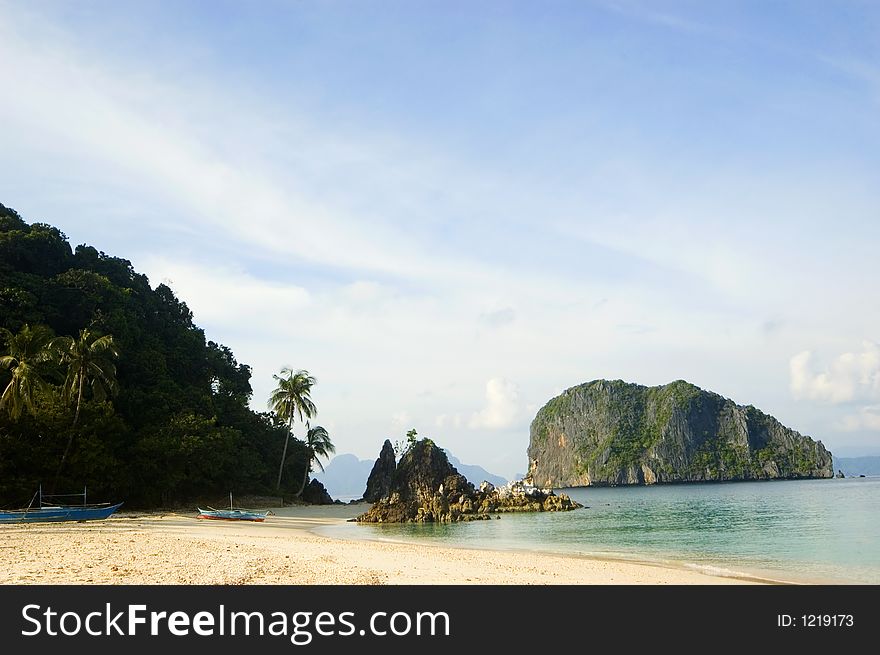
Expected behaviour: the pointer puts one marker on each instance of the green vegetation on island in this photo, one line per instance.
(613, 432)
(107, 382)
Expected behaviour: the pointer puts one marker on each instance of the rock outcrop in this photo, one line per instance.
(379, 482)
(616, 433)
(426, 488)
(316, 494)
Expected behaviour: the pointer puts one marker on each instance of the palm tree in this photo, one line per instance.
(318, 444)
(26, 352)
(90, 363)
(292, 397)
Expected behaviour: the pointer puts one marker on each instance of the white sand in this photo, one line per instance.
(131, 548)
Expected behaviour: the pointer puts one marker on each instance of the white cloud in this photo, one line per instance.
(446, 420)
(69, 103)
(387, 262)
(849, 378)
(363, 291)
(223, 296)
(400, 420)
(868, 418)
(502, 406)
(500, 317)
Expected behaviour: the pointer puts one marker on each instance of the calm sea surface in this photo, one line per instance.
(811, 531)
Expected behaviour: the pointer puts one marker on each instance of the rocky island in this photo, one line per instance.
(379, 481)
(616, 433)
(425, 488)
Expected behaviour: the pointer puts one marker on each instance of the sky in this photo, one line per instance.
(449, 212)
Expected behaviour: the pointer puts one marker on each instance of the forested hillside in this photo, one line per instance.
(175, 426)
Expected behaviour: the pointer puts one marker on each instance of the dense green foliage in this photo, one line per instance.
(178, 426)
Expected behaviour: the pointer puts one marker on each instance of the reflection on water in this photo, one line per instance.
(814, 530)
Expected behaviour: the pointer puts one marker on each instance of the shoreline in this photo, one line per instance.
(708, 570)
(292, 547)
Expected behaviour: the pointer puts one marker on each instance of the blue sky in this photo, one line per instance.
(449, 212)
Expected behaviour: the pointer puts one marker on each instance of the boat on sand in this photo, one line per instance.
(43, 512)
(232, 514)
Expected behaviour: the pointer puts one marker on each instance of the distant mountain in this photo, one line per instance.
(855, 466)
(475, 474)
(346, 476)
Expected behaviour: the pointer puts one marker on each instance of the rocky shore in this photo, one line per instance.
(425, 488)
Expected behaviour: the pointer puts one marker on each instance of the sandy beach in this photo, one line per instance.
(177, 548)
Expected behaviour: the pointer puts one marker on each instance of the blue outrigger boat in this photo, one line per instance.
(44, 512)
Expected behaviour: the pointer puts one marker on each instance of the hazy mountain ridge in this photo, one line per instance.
(854, 466)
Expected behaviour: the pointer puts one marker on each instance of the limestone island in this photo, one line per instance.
(616, 433)
(425, 488)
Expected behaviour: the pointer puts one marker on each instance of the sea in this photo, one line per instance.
(806, 531)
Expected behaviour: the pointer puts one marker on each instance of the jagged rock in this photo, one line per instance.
(486, 487)
(426, 488)
(615, 433)
(379, 482)
(316, 494)
(840, 474)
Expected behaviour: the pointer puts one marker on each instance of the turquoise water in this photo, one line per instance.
(809, 531)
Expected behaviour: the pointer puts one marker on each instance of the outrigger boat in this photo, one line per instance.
(232, 514)
(49, 512)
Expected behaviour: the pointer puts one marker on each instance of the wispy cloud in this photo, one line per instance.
(643, 12)
(72, 103)
(531, 240)
(865, 72)
(222, 296)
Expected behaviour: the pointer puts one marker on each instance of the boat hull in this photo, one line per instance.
(58, 514)
(231, 515)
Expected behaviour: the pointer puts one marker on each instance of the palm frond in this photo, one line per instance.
(318, 440)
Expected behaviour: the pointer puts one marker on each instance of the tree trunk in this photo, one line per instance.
(283, 455)
(79, 396)
(302, 487)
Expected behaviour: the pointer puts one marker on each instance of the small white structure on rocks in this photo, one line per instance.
(520, 488)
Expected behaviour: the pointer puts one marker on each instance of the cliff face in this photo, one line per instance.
(615, 433)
